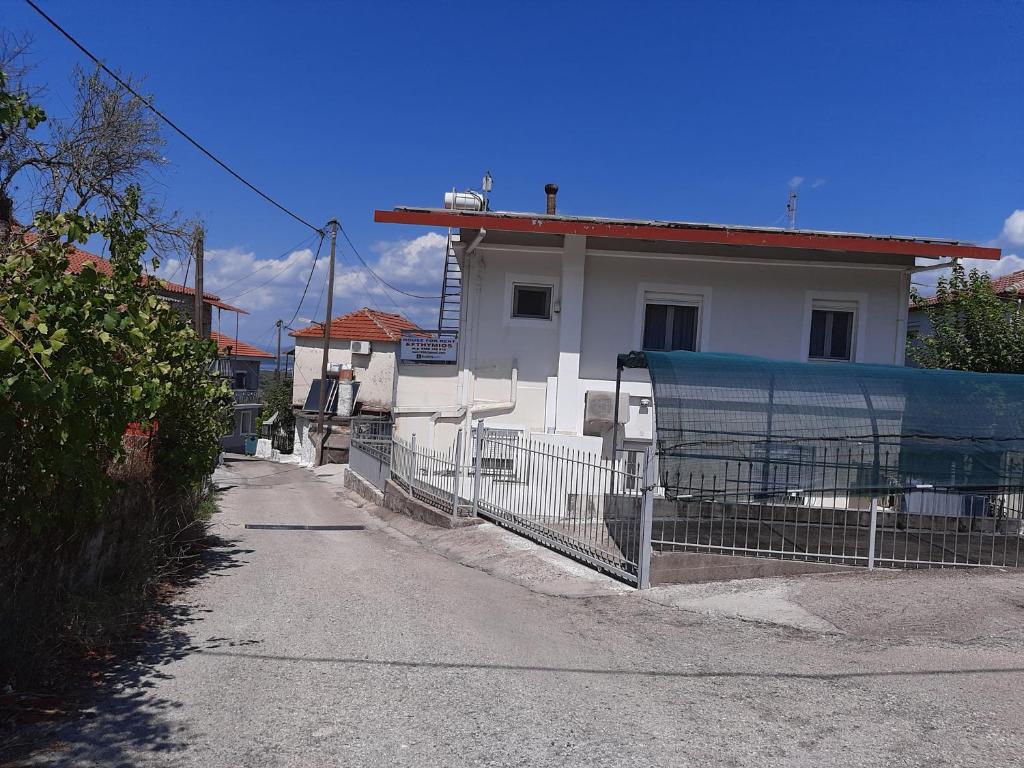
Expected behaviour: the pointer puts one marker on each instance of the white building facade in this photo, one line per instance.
(548, 302)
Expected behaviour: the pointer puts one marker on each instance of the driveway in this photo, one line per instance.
(368, 647)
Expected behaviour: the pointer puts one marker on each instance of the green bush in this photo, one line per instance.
(81, 357)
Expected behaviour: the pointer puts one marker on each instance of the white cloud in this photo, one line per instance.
(419, 261)
(795, 182)
(1013, 229)
(270, 288)
(817, 183)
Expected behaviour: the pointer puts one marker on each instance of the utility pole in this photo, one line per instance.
(197, 247)
(277, 369)
(791, 210)
(333, 224)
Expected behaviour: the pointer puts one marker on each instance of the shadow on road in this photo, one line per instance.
(116, 714)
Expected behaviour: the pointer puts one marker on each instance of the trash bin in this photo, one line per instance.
(250, 444)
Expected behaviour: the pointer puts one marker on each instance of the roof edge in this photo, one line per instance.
(716, 234)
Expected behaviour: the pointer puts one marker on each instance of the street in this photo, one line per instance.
(366, 647)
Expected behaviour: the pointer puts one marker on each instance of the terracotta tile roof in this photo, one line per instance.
(1007, 287)
(77, 259)
(362, 325)
(229, 345)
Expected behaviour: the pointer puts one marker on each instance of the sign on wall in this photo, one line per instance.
(428, 348)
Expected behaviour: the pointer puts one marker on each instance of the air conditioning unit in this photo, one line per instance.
(599, 413)
(360, 347)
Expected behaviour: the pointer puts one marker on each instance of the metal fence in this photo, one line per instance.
(761, 508)
(612, 514)
(370, 449)
(436, 477)
(573, 501)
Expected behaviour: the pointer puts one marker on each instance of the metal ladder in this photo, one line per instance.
(451, 291)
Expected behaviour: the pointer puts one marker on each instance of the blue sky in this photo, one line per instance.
(899, 117)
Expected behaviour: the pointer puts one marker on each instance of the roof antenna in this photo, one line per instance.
(791, 210)
(486, 185)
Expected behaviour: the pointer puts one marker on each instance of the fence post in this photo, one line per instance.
(412, 464)
(457, 479)
(643, 565)
(478, 466)
(872, 533)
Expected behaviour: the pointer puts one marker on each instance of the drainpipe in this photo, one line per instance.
(483, 409)
(475, 241)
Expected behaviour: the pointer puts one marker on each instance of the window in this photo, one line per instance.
(240, 380)
(531, 301)
(668, 327)
(831, 331)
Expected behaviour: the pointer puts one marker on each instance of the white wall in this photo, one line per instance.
(754, 309)
(374, 372)
(759, 310)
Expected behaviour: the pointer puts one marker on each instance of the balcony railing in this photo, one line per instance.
(247, 396)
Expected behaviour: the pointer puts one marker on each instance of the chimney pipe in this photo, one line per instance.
(551, 190)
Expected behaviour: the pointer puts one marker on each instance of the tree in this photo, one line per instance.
(86, 163)
(83, 356)
(973, 329)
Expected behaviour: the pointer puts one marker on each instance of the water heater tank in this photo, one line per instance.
(464, 201)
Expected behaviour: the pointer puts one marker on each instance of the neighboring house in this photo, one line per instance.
(1008, 287)
(365, 341)
(180, 296)
(545, 303)
(239, 363)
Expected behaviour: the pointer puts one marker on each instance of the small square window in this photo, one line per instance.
(531, 301)
(241, 380)
(831, 335)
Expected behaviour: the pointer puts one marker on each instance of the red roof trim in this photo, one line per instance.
(686, 233)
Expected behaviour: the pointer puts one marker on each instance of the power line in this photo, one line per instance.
(377, 277)
(268, 264)
(273, 261)
(170, 122)
(312, 269)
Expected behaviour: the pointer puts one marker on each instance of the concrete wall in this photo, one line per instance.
(375, 372)
(748, 305)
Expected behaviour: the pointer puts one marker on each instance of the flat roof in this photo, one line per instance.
(684, 231)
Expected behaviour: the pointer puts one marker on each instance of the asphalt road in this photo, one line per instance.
(366, 648)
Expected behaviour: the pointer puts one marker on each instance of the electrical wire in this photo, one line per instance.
(181, 132)
(312, 269)
(261, 285)
(269, 263)
(377, 277)
(170, 122)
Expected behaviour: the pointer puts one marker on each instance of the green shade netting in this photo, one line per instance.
(768, 427)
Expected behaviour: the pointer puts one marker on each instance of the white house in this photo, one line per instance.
(365, 342)
(545, 303)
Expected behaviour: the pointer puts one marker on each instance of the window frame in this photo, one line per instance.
(674, 295)
(533, 281)
(517, 287)
(833, 301)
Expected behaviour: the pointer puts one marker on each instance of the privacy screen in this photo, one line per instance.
(770, 428)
